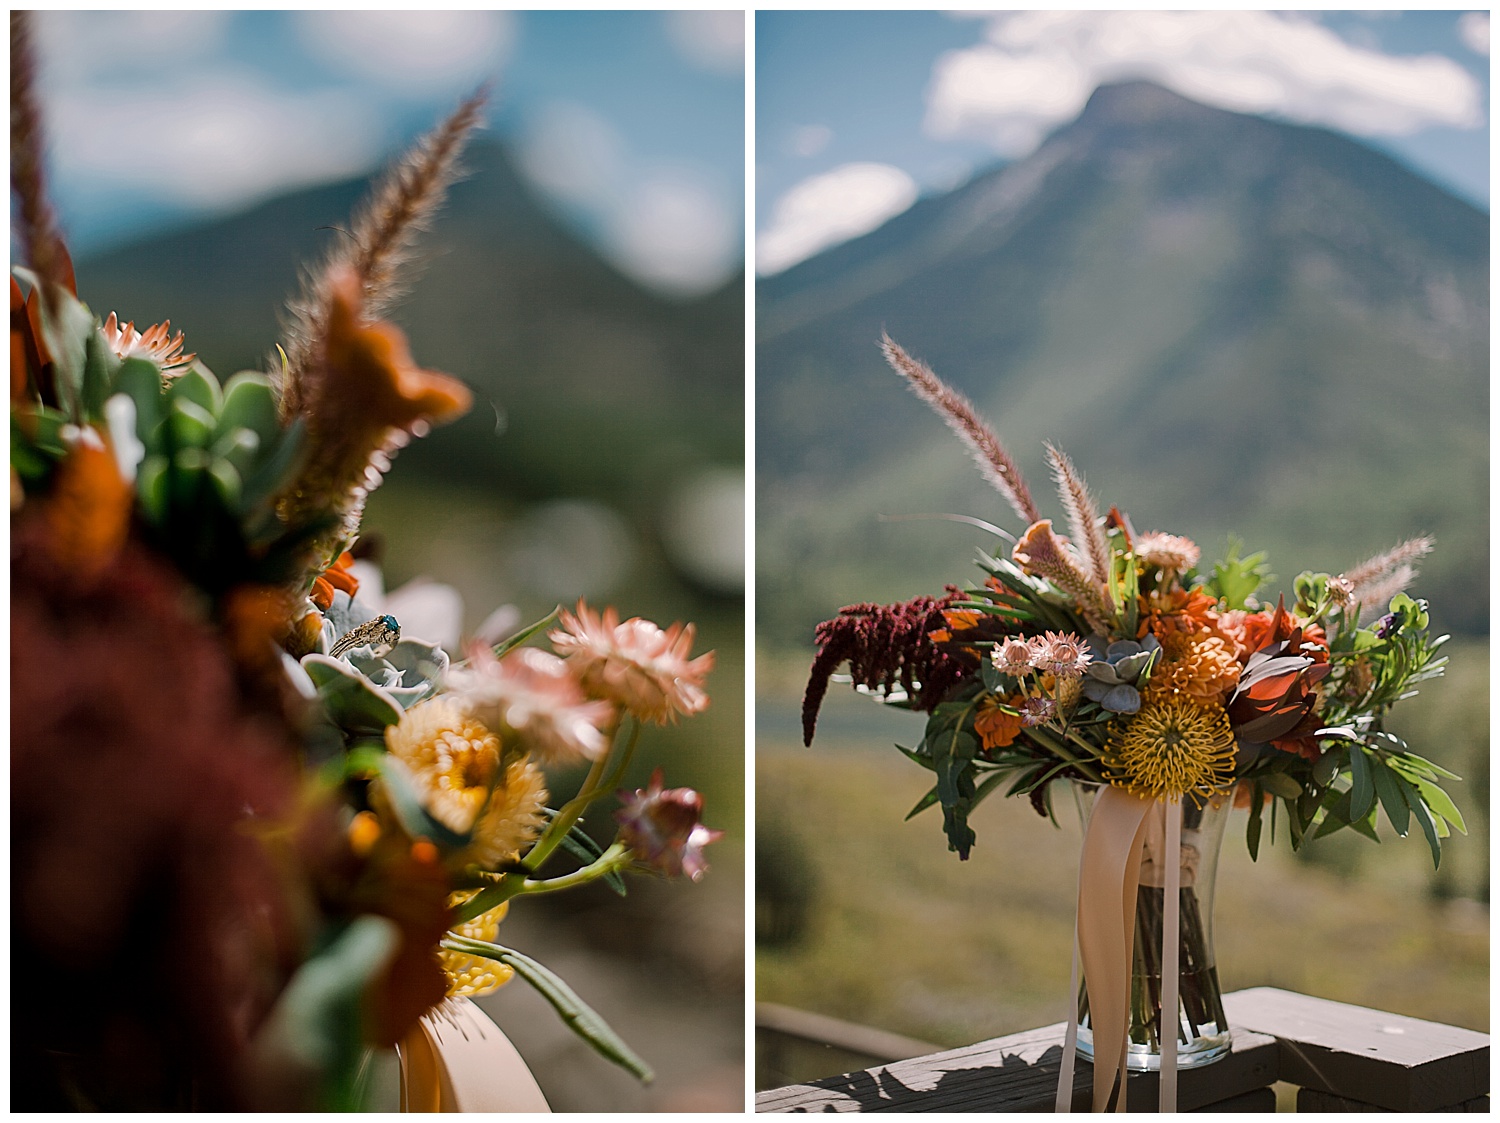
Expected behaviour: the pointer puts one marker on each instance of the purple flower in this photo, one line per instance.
(661, 828)
(1388, 625)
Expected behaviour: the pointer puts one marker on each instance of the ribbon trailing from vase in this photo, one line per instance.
(456, 1059)
(1109, 875)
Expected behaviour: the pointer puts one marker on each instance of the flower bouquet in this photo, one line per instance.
(263, 824)
(1114, 660)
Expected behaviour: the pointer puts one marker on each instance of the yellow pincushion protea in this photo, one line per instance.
(472, 975)
(1172, 748)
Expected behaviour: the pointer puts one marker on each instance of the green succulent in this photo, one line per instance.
(1115, 677)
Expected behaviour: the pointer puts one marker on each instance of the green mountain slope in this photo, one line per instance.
(1228, 323)
(595, 385)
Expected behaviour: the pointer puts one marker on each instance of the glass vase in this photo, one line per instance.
(1201, 1029)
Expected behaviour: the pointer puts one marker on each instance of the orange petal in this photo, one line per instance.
(88, 511)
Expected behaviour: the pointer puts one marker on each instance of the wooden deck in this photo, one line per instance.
(1341, 1058)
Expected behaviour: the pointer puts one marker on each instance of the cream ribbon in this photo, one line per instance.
(456, 1059)
(1109, 873)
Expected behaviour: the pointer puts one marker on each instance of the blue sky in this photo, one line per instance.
(632, 122)
(859, 113)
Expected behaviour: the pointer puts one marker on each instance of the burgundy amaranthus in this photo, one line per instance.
(884, 645)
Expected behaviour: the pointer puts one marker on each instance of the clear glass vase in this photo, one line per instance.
(1202, 1030)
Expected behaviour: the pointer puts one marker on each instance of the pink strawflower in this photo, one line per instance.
(156, 343)
(1062, 655)
(661, 828)
(636, 664)
(535, 697)
(1170, 553)
(1014, 656)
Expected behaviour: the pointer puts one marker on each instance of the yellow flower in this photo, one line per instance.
(1173, 748)
(455, 762)
(472, 975)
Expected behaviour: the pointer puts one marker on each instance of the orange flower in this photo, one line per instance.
(996, 727)
(338, 577)
(156, 343)
(962, 619)
(1177, 611)
(366, 397)
(89, 509)
(1201, 666)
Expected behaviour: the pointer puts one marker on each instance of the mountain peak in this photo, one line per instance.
(1140, 102)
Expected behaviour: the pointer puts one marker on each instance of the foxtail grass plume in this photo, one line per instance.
(37, 235)
(994, 462)
(1374, 582)
(377, 248)
(1083, 517)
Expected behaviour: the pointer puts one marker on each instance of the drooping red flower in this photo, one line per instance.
(884, 645)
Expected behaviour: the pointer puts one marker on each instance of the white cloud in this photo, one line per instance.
(709, 40)
(225, 139)
(1036, 69)
(415, 53)
(572, 153)
(830, 208)
(1474, 30)
(77, 47)
(674, 232)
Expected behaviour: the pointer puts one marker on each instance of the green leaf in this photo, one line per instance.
(1281, 785)
(99, 366)
(226, 482)
(317, 1022)
(198, 388)
(1387, 788)
(1424, 820)
(151, 488)
(276, 465)
(1362, 794)
(922, 805)
(353, 701)
(141, 382)
(192, 426)
(1252, 828)
(250, 403)
(574, 1012)
(1440, 804)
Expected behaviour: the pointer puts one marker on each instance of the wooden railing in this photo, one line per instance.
(1339, 1057)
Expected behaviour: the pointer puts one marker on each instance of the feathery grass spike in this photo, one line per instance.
(994, 462)
(379, 243)
(1083, 516)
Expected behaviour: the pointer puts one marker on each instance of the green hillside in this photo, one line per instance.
(1230, 324)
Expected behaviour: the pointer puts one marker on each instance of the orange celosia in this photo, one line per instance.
(371, 382)
(88, 510)
(995, 727)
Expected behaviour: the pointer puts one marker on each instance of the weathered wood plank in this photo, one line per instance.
(1309, 1100)
(1018, 1073)
(1387, 1060)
